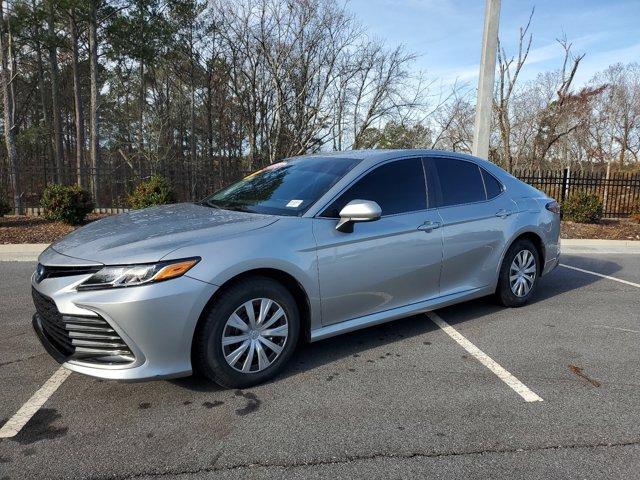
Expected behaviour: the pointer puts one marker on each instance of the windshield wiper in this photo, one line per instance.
(206, 203)
(238, 208)
(226, 206)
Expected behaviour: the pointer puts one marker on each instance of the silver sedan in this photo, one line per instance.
(304, 249)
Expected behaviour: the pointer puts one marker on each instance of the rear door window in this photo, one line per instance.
(460, 181)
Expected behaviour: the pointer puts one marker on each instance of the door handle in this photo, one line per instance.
(429, 226)
(502, 213)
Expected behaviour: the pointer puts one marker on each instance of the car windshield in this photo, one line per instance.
(289, 187)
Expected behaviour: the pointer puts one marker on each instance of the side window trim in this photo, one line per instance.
(434, 194)
(370, 170)
(484, 184)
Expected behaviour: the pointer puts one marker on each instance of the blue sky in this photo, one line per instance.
(447, 33)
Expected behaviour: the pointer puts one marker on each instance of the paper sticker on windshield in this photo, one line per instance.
(294, 203)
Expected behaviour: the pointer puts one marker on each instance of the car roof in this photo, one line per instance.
(368, 159)
(373, 156)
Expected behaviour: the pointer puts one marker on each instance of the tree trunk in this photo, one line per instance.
(209, 122)
(141, 104)
(44, 103)
(192, 113)
(55, 98)
(6, 77)
(79, 120)
(94, 147)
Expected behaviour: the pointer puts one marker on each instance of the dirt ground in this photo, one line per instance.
(32, 229)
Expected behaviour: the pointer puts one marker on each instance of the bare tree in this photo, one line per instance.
(453, 123)
(618, 113)
(304, 76)
(563, 115)
(509, 69)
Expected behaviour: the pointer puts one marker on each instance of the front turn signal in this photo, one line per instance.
(174, 270)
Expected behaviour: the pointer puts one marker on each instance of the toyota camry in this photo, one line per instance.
(304, 249)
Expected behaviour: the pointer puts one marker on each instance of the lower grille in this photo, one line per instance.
(90, 339)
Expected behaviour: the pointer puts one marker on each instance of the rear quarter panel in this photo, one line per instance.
(531, 217)
(534, 217)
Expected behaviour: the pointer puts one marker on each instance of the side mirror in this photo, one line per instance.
(358, 211)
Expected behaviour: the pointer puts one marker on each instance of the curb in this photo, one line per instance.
(21, 252)
(28, 252)
(572, 245)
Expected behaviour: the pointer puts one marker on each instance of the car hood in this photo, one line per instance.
(148, 235)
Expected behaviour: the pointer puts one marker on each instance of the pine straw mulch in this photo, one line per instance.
(607, 229)
(32, 229)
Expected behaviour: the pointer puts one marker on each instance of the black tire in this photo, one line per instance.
(208, 355)
(504, 293)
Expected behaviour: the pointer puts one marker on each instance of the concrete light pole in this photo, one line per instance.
(484, 102)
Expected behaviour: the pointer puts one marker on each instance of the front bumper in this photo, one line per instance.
(155, 322)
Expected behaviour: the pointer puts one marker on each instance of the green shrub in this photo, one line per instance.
(66, 203)
(155, 191)
(582, 207)
(5, 207)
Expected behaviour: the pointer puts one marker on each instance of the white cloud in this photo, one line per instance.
(591, 64)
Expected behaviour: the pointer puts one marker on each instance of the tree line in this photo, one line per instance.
(208, 90)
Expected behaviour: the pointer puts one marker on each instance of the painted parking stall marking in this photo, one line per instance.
(615, 279)
(29, 409)
(516, 385)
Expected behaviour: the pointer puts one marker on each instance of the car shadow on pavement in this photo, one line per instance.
(196, 383)
(558, 282)
(588, 262)
(355, 344)
(563, 279)
(309, 356)
(312, 355)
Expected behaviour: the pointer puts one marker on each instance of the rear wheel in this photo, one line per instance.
(248, 334)
(518, 274)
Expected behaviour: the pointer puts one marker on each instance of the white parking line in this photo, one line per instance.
(515, 384)
(29, 409)
(626, 282)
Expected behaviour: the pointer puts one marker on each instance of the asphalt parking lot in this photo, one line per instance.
(397, 401)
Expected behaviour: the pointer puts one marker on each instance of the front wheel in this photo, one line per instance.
(249, 333)
(518, 274)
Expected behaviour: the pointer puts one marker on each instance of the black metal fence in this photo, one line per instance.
(115, 184)
(620, 193)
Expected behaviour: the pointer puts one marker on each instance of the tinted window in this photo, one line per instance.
(285, 188)
(460, 181)
(494, 188)
(397, 187)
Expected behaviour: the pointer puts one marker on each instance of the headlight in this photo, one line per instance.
(133, 275)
